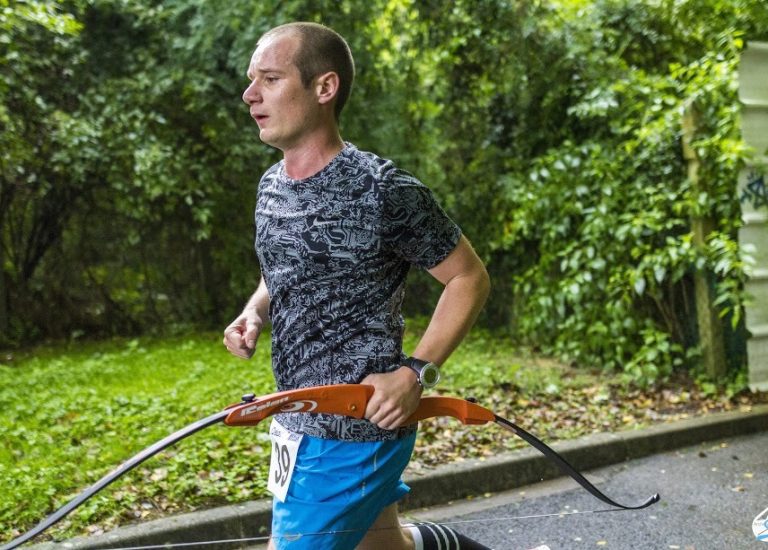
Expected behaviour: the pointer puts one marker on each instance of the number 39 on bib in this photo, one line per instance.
(285, 446)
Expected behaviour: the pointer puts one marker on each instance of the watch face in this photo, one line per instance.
(430, 375)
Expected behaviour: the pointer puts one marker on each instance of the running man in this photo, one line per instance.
(337, 230)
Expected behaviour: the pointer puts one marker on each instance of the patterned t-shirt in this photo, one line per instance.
(334, 251)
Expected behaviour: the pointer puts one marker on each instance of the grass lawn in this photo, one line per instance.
(69, 413)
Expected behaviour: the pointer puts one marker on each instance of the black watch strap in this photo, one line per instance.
(427, 373)
(415, 364)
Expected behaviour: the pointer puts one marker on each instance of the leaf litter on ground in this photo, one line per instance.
(574, 412)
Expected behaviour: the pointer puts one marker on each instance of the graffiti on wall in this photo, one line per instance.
(755, 192)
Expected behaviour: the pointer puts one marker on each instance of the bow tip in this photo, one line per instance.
(653, 500)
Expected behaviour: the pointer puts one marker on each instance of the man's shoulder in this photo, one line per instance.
(366, 160)
(272, 171)
(383, 169)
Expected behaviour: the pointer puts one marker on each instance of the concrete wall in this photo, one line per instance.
(753, 194)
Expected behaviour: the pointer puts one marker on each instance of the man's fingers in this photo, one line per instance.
(241, 352)
(390, 422)
(393, 400)
(237, 344)
(233, 338)
(252, 330)
(371, 409)
(385, 415)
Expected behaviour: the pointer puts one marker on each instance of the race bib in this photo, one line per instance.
(285, 446)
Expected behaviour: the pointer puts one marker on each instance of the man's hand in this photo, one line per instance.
(396, 396)
(241, 334)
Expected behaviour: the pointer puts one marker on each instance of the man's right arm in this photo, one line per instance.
(241, 335)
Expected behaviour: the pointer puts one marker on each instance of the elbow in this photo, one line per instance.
(484, 285)
(477, 283)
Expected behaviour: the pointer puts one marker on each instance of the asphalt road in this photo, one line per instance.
(710, 495)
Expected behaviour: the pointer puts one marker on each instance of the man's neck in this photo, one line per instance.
(312, 156)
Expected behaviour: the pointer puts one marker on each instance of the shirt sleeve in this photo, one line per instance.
(415, 227)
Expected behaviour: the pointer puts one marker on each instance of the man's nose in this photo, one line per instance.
(251, 93)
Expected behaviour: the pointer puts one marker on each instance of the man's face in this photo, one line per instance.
(278, 101)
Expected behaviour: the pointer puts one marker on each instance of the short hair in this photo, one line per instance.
(321, 50)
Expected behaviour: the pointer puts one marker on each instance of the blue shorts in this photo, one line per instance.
(338, 490)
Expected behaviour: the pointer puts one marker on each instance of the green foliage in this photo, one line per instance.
(550, 131)
(604, 217)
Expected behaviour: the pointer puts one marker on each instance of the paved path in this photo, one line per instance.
(711, 492)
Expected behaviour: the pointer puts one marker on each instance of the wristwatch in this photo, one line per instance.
(427, 373)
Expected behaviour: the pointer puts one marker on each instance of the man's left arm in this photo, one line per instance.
(466, 287)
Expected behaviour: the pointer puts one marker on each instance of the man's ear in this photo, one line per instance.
(327, 87)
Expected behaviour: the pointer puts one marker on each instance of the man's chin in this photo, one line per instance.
(267, 137)
(274, 140)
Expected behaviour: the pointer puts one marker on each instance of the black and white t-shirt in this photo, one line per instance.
(334, 251)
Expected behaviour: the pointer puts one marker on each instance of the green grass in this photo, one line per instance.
(72, 412)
